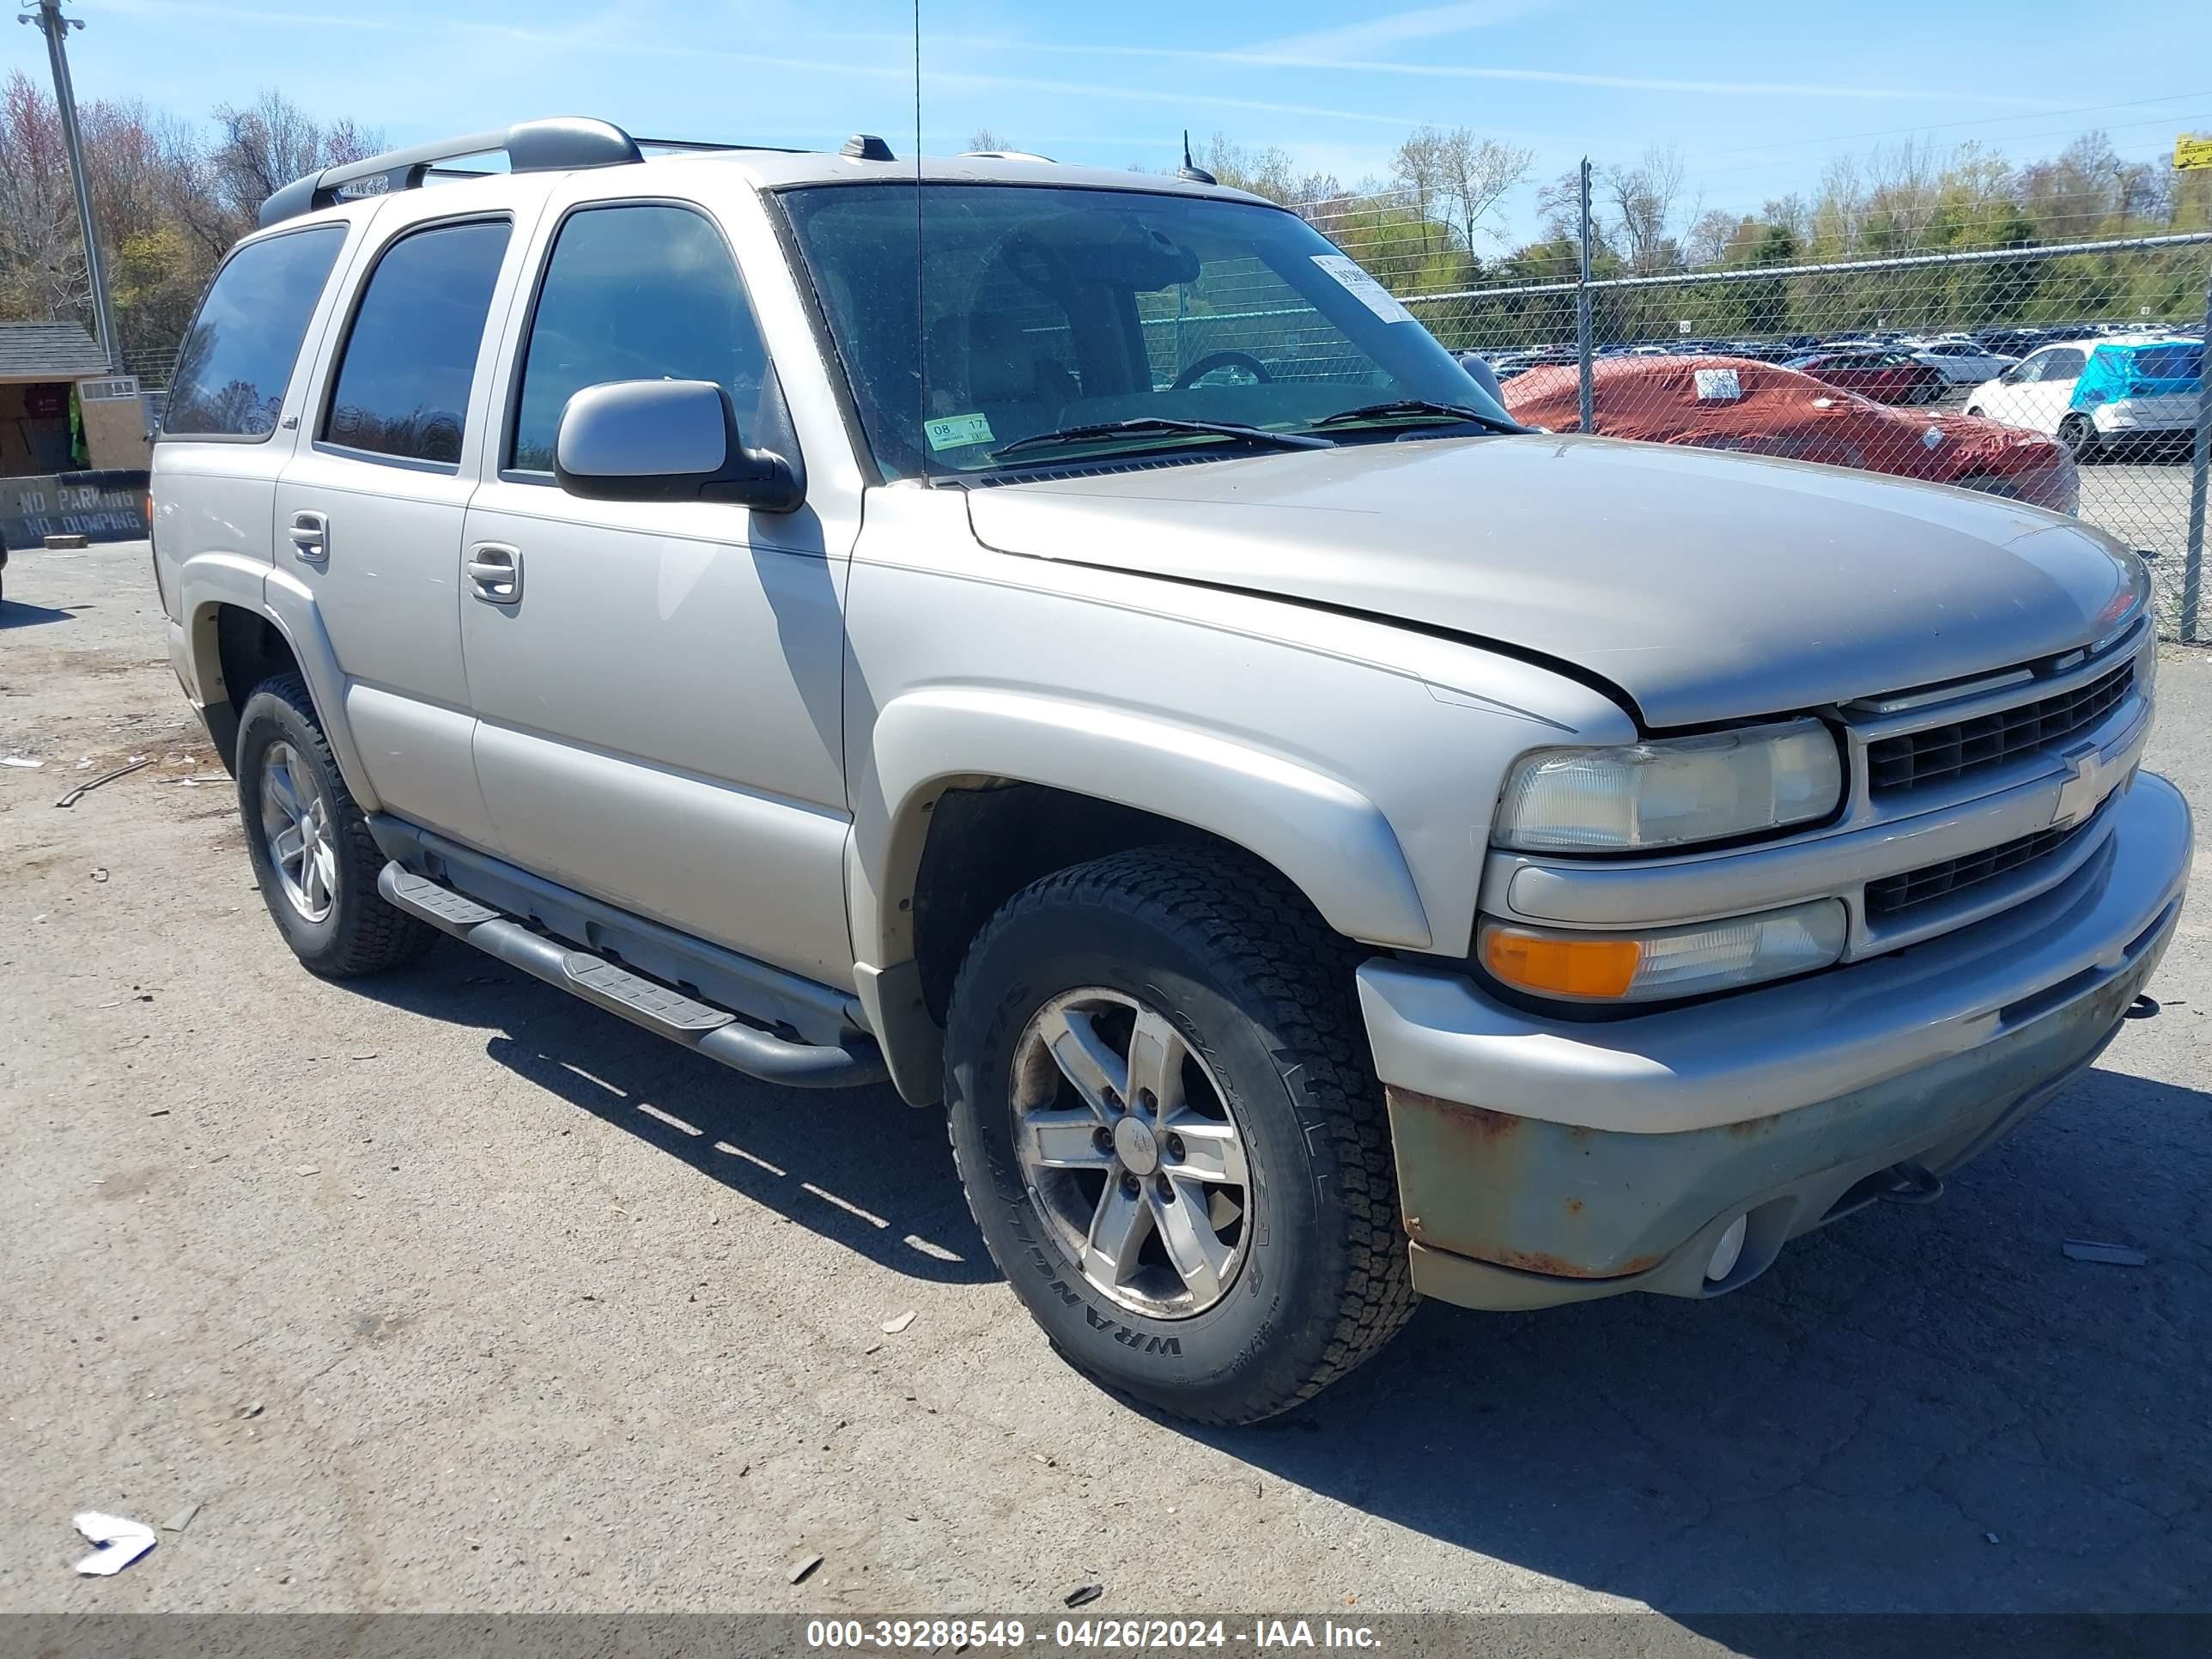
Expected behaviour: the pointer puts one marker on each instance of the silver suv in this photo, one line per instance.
(1072, 644)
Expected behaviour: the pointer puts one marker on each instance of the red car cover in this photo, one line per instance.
(1735, 403)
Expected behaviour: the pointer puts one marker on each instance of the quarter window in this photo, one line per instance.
(237, 360)
(402, 387)
(643, 291)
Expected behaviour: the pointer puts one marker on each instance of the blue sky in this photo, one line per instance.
(1756, 95)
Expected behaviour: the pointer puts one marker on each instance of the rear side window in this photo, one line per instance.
(643, 291)
(237, 360)
(402, 384)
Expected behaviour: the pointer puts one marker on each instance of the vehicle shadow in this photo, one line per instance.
(13, 613)
(859, 1167)
(1916, 1409)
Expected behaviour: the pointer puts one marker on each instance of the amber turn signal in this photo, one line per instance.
(1561, 966)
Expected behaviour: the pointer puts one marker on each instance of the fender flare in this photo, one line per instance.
(1331, 841)
(211, 581)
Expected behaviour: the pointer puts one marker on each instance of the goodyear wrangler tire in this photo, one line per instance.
(1170, 1135)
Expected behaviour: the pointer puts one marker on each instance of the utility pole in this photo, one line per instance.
(56, 27)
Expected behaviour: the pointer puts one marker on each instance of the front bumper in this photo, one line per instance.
(1545, 1160)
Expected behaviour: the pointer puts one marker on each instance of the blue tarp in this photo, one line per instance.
(2156, 369)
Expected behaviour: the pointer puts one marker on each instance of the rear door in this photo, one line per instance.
(660, 691)
(233, 407)
(369, 508)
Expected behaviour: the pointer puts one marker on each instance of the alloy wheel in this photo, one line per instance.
(295, 829)
(1131, 1153)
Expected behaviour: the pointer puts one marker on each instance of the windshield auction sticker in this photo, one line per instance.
(1364, 288)
(957, 431)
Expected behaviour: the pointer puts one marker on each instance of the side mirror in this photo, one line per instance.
(666, 440)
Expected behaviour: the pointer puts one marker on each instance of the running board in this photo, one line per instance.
(717, 1033)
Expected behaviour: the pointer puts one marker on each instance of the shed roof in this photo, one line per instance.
(48, 352)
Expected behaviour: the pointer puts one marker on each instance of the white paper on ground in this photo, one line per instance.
(121, 1541)
(1364, 288)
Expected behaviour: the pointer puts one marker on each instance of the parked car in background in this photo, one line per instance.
(1885, 373)
(2097, 395)
(1763, 408)
(2013, 341)
(1962, 362)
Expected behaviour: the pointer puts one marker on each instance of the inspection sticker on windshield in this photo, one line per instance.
(1717, 384)
(1364, 288)
(957, 431)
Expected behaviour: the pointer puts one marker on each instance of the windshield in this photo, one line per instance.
(1042, 308)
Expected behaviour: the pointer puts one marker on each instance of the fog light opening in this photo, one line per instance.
(1727, 1252)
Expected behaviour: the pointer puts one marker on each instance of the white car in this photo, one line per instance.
(2099, 391)
(1962, 362)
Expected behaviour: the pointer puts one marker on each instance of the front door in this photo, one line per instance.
(658, 684)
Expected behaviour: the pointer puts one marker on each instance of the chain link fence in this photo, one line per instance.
(2068, 373)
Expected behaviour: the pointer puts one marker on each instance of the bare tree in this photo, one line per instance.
(1419, 167)
(984, 138)
(272, 140)
(1641, 199)
(1558, 205)
(1709, 237)
(1476, 173)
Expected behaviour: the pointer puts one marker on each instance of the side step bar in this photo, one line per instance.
(715, 1032)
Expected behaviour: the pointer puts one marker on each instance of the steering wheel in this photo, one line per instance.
(1213, 359)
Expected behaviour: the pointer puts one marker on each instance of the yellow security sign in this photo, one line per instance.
(2190, 150)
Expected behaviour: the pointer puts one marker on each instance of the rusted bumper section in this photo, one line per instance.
(1513, 1203)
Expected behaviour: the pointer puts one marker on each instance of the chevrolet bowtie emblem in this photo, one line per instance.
(2084, 790)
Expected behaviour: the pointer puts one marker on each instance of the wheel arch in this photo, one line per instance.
(984, 791)
(244, 623)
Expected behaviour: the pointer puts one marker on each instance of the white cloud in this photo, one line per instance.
(1396, 28)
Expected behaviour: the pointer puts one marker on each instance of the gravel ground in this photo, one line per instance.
(442, 1291)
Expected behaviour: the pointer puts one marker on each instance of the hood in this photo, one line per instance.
(1704, 586)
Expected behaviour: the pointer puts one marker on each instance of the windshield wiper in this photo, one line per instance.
(1420, 407)
(1146, 424)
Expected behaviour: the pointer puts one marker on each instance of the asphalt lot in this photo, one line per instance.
(442, 1291)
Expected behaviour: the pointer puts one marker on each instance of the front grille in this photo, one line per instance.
(1893, 894)
(1942, 753)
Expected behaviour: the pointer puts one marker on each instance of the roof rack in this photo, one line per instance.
(549, 146)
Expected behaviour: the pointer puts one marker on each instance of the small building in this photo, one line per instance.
(44, 368)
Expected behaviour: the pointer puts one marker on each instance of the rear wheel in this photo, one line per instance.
(311, 853)
(2076, 433)
(1168, 1130)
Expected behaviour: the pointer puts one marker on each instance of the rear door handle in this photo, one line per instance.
(495, 573)
(310, 535)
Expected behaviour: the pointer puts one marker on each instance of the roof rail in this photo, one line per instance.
(554, 145)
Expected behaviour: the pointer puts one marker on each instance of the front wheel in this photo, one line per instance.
(1171, 1136)
(312, 852)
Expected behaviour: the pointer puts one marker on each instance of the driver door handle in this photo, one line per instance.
(495, 573)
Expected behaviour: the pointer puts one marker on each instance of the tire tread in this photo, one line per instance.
(1235, 911)
(372, 935)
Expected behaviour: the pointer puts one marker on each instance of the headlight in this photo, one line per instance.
(1669, 794)
(1671, 962)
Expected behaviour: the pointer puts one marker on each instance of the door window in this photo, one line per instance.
(2065, 364)
(237, 360)
(643, 291)
(402, 384)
